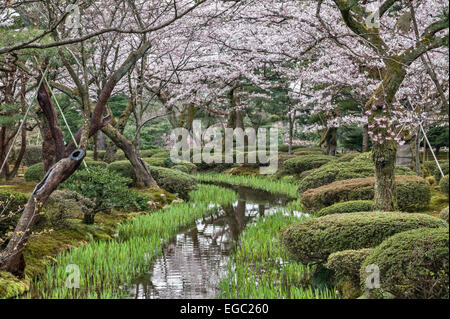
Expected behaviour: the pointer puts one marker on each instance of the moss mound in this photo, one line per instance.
(11, 287)
(413, 193)
(312, 241)
(347, 207)
(413, 264)
(299, 164)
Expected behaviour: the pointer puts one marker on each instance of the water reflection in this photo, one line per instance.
(192, 265)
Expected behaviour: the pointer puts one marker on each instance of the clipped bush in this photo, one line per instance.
(285, 147)
(149, 153)
(359, 167)
(346, 157)
(353, 206)
(156, 161)
(32, 155)
(312, 241)
(300, 164)
(346, 265)
(11, 205)
(91, 163)
(413, 264)
(171, 180)
(35, 173)
(437, 173)
(413, 193)
(174, 181)
(106, 189)
(444, 214)
(161, 154)
(65, 203)
(181, 168)
(301, 152)
(124, 169)
(443, 185)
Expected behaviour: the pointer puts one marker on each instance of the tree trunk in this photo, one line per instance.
(143, 175)
(365, 142)
(53, 147)
(11, 259)
(384, 149)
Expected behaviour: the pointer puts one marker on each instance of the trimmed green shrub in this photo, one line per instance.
(443, 185)
(444, 214)
(437, 173)
(174, 181)
(171, 180)
(35, 173)
(413, 264)
(91, 163)
(155, 161)
(124, 169)
(346, 265)
(358, 167)
(285, 147)
(413, 193)
(181, 168)
(348, 262)
(301, 152)
(312, 241)
(11, 205)
(300, 164)
(65, 203)
(106, 189)
(353, 206)
(161, 153)
(192, 168)
(346, 157)
(32, 155)
(149, 153)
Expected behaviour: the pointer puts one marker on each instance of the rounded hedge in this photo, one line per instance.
(413, 193)
(312, 241)
(91, 163)
(347, 207)
(346, 265)
(358, 167)
(156, 161)
(437, 173)
(35, 173)
(299, 164)
(174, 181)
(443, 185)
(171, 180)
(32, 155)
(413, 264)
(444, 214)
(181, 168)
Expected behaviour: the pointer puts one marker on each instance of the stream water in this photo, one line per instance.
(194, 262)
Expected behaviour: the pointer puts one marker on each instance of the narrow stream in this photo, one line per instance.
(192, 265)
